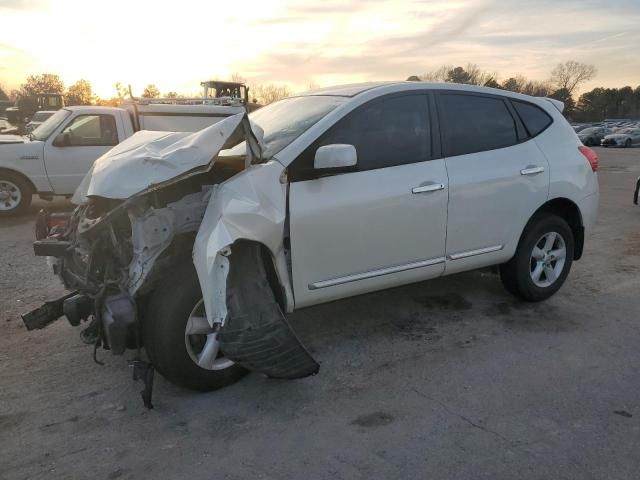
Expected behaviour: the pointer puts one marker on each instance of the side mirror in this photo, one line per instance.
(337, 157)
(62, 140)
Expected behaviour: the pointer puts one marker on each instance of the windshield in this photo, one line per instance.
(286, 120)
(40, 116)
(48, 126)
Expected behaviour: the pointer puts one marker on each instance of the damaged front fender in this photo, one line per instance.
(245, 212)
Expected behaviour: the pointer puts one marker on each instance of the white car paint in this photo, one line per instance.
(367, 230)
(322, 249)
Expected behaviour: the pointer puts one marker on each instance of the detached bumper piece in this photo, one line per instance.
(48, 313)
(636, 192)
(256, 334)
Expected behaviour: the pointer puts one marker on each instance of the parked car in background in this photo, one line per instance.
(625, 137)
(38, 119)
(579, 128)
(593, 135)
(313, 198)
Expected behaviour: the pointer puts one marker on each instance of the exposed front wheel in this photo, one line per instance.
(15, 194)
(542, 261)
(178, 339)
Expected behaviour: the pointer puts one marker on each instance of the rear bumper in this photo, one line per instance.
(589, 210)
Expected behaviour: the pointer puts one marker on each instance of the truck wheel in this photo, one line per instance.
(178, 339)
(15, 194)
(542, 261)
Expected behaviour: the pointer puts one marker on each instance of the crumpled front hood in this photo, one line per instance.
(150, 159)
(12, 139)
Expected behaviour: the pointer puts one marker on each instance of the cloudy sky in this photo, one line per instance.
(179, 43)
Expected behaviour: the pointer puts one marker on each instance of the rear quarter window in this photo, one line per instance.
(534, 118)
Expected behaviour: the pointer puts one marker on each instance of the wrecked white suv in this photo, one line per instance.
(196, 246)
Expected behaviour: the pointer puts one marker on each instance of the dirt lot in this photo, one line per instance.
(450, 378)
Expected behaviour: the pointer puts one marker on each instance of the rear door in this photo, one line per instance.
(70, 154)
(381, 225)
(498, 177)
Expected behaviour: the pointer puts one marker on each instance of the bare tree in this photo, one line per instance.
(238, 78)
(439, 75)
(269, 93)
(570, 75)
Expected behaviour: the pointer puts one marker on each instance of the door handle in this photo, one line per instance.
(432, 187)
(531, 170)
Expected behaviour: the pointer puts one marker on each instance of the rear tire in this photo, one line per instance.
(164, 330)
(627, 144)
(542, 260)
(15, 194)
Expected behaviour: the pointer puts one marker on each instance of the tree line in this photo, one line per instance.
(81, 92)
(563, 84)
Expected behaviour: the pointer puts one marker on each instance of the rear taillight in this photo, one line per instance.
(591, 156)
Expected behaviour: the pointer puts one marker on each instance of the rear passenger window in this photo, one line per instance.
(534, 118)
(475, 124)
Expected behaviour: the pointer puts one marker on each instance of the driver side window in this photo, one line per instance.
(386, 132)
(91, 130)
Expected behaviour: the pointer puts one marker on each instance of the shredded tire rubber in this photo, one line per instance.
(256, 333)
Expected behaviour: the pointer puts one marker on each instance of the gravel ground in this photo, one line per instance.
(451, 378)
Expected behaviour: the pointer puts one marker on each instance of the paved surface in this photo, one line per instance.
(450, 378)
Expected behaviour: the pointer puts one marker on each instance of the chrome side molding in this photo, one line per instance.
(375, 273)
(473, 253)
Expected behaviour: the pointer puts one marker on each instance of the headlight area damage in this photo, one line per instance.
(147, 207)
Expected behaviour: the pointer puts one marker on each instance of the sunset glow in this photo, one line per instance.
(177, 44)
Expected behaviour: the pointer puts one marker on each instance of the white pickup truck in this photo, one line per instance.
(55, 157)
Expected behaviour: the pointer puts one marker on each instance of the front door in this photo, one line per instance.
(70, 154)
(381, 225)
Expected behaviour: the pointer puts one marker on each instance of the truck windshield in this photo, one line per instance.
(48, 126)
(286, 120)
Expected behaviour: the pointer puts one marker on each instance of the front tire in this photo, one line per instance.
(178, 339)
(542, 260)
(15, 194)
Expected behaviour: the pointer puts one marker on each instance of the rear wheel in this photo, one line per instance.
(627, 144)
(15, 194)
(178, 339)
(542, 261)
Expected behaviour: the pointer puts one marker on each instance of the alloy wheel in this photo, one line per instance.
(10, 195)
(547, 259)
(201, 341)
